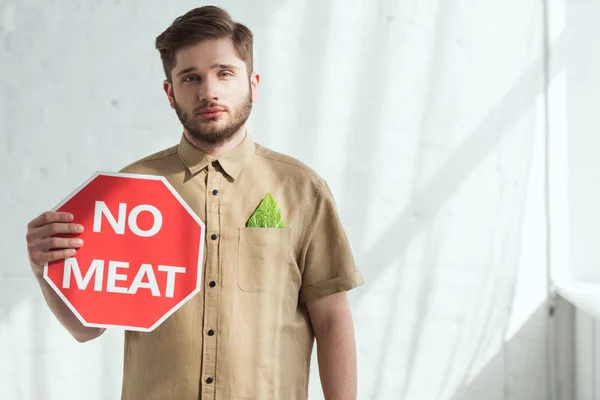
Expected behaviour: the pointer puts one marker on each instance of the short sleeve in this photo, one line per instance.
(326, 259)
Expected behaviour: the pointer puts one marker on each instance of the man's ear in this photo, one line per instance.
(254, 83)
(168, 87)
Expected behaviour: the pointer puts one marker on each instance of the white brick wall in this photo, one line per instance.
(424, 116)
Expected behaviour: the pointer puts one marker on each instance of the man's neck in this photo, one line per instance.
(217, 151)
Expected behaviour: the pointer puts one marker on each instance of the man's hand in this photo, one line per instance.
(43, 246)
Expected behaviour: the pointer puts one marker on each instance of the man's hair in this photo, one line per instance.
(199, 24)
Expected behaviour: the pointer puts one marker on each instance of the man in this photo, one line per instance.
(268, 292)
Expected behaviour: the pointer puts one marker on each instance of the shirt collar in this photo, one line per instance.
(232, 162)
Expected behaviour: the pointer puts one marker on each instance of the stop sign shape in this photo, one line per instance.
(142, 254)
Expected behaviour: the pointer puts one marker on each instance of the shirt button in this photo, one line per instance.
(215, 164)
(209, 380)
(211, 332)
(215, 192)
(212, 284)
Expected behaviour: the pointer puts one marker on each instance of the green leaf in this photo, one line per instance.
(267, 214)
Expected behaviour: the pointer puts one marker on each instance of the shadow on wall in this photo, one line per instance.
(429, 199)
(527, 355)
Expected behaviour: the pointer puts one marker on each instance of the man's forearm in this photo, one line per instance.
(336, 351)
(64, 314)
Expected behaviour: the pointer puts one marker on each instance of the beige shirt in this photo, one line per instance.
(247, 334)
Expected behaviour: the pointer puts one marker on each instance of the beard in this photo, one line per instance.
(212, 131)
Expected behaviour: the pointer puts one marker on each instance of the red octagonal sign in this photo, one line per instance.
(142, 254)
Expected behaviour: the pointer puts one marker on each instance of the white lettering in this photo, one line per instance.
(145, 270)
(171, 271)
(145, 277)
(113, 277)
(118, 225)
(155, 226)
(96, 269)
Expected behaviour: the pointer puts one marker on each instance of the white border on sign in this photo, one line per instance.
(200, 251)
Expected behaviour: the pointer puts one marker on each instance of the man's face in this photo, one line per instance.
(210, 90)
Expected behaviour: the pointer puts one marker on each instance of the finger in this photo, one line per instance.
(57, 255)
(57, 228)
(39, 258)
(52, 243)
(49, 217)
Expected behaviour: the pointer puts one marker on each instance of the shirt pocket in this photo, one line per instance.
(263, 259)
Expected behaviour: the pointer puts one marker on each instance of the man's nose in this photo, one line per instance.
(208, 91)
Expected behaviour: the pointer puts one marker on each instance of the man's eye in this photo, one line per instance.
(190, 78)
(227, 74)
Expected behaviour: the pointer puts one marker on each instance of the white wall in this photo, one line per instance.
(575, 165)
(426, 117)
(577, 65)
